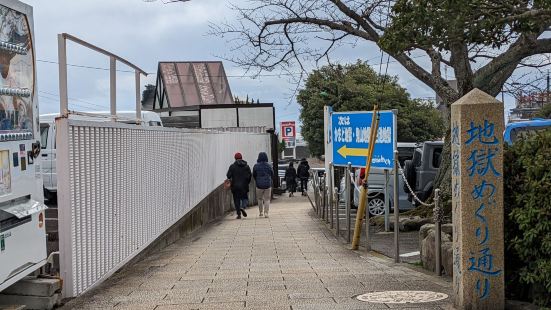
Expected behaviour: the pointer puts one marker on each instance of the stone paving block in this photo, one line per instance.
(346, 292)
(179, 306)
(303, 301)
(190, 290)
(269, 307)
(267, 273)
(226, 283)
(93, 306)
(231, 276)
(304, 285)
(226, 298)
(257, 304)
(260, 277)
(310, 295)
(158, 285)
(132, 306)
(176, 297)
(139, 298)
(354, 303)
(268, 286)
(224, 293)
(280, 294)
(222, 306)
(411, 306)
(152, 293)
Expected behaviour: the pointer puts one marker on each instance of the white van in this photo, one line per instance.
(48, 143)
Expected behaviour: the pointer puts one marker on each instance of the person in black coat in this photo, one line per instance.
(240, 175)
(303, 172)
(291, 179)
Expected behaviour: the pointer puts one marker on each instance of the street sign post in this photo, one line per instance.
(350, 136)
(288, 134)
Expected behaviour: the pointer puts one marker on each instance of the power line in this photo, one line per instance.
(229, 76)
(74, 99)
(56, 100)
(83, 66)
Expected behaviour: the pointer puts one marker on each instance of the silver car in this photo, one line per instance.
(376, 182)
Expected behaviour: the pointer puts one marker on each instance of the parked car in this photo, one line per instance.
(376, 183)
(48, 143)
(421, 170)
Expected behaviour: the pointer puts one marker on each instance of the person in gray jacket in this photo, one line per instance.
(263, 174)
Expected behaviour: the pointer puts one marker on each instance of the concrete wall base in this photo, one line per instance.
(32, 293)
(213, 207)
(32, 302)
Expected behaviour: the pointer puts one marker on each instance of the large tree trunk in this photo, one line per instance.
(443, 180)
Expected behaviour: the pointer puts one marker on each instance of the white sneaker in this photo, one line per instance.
(266, 215)
(261, 214)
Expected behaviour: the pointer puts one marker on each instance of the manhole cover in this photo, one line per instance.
(402, 297)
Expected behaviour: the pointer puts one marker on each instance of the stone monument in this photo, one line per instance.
(477, 126)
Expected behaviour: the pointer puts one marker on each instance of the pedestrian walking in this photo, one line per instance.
(303, 172)
(291, 179)
(239, 175)
(263, 174)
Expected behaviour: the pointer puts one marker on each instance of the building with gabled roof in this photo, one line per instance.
(196, 94)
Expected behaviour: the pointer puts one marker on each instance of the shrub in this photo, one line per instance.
(528, 219)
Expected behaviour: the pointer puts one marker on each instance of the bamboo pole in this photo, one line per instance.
(363, 191)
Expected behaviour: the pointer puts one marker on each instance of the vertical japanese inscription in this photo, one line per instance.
(477, 201)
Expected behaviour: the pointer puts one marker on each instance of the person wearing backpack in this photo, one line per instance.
(303, 172)
(263, 174)
(239, 175)
(291, 179)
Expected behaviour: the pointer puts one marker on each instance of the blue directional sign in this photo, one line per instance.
(350, 133)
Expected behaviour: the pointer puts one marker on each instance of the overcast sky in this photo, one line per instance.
(146, 33)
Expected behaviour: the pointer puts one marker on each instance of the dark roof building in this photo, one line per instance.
(192, 83)
(196, 94)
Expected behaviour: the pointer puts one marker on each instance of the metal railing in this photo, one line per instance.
(121, 186)
(113, 59)
(329, 206)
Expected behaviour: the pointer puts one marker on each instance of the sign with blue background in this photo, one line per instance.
(350, 139)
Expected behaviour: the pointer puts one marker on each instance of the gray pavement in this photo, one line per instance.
(288, 261)
(380, 241)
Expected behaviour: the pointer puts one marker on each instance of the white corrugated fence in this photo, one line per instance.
(121, 186)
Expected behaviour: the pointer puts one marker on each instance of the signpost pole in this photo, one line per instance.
(367, 236)
(387, 206)
(330, 193)
(396, 211)
(322, 198)
(337, 219)
(348, 199)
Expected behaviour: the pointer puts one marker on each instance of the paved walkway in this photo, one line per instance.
(287, 261)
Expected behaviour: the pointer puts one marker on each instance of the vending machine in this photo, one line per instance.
(22, 218)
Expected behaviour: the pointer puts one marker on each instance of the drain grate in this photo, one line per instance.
(402, 297)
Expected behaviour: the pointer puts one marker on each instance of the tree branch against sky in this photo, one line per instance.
(484, 43)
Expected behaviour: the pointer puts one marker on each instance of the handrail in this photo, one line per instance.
(102, 51)
(63, 92)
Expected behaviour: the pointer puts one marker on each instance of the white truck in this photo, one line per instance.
(48, 143)
(22, 223)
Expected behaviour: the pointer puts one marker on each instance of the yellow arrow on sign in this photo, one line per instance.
(345, 151)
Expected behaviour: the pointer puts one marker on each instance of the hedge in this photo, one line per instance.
(527, 177)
